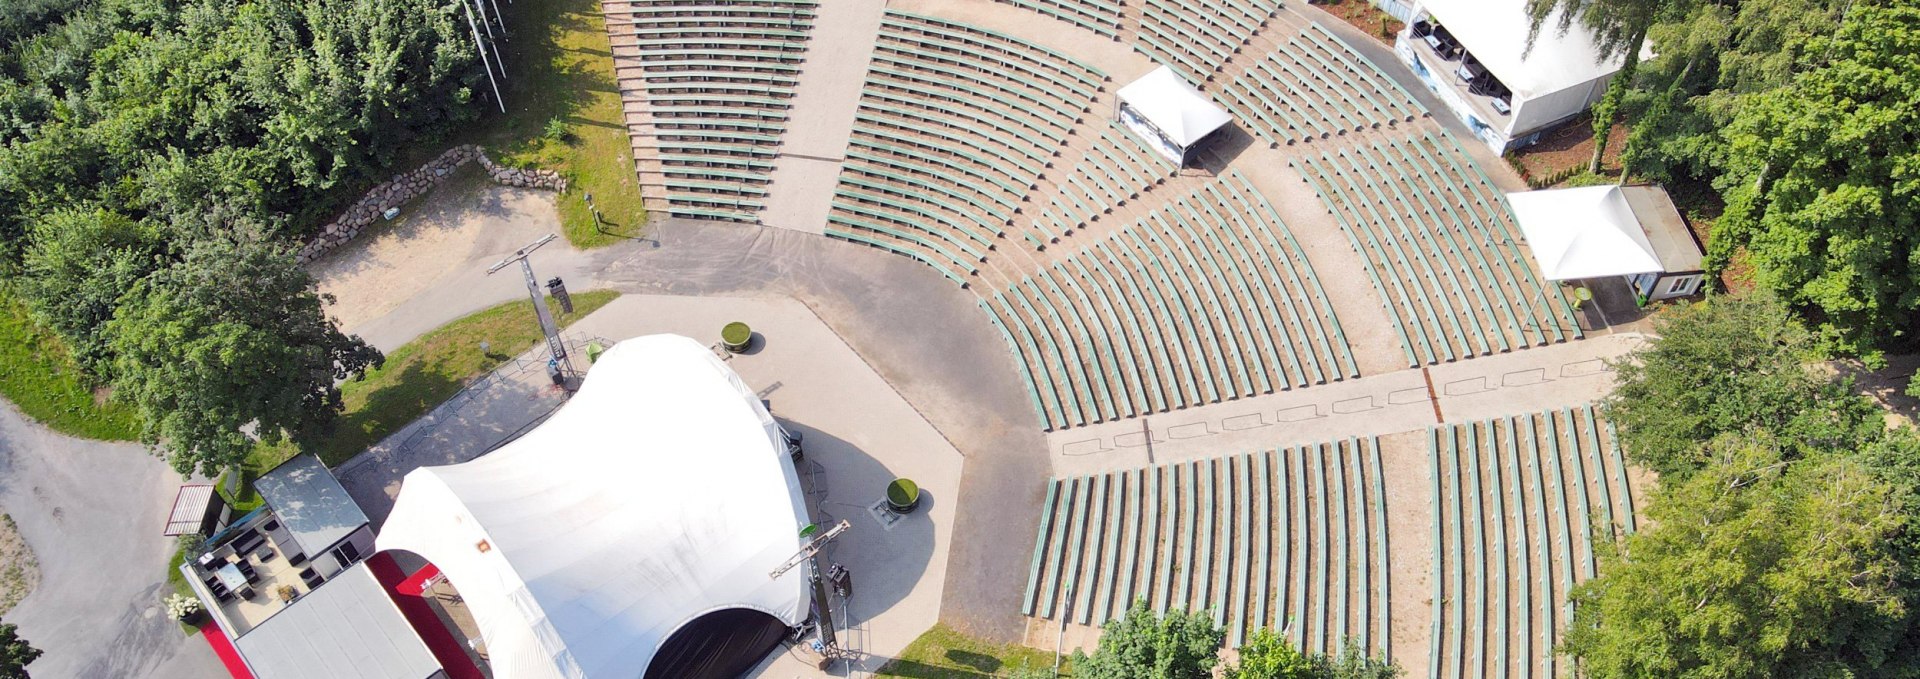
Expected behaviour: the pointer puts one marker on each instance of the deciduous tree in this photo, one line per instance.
(15, 653)
(1758, 565)
(1141, 645)
(1729, 365)
(231, 339)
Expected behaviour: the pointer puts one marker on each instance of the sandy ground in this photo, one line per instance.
(19, 570)
(436, 236)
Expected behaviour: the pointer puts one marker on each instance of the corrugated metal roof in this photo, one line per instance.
(189, 509)
(346, 627)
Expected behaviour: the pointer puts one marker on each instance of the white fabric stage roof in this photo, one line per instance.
(1587, 232)
(1180, 111)
(660, 492)
(1495, 32)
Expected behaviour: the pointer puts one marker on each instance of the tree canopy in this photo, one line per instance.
(228, 339)
(15, 653)
(1141, 645)
(1730, 365)
(1756, 566)
(1267, 655)
(157, 158)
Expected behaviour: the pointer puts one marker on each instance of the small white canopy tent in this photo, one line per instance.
(1169, 113)
(662, 491)
(1586, 232)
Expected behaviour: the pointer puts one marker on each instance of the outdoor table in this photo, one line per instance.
(230, 576)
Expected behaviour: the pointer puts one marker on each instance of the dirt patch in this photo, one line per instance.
(1369, 19)
(1567, 150)
(435, 234)
(19, 570)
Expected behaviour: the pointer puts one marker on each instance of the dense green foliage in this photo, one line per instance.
(1800, 116)
(155, 158)
(1780, 541)
(1267, 655)
(1141, 645)
(229, 336)
(1729, 366)
(15, 653)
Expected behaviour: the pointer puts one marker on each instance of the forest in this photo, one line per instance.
(158, 158)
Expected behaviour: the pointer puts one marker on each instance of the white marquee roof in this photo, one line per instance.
(660, 492)
(1180, 111)
(1495, 32)
(1586, 232)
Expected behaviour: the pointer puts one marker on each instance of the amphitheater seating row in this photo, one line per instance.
(1312, 87)
(1293, 540)
(1202, 300)
(1197, 37)
(954, 129)
(1439, 247)
(1206, 299)
(717, 81)
(1518, 505)
(1099, 16)
(1116, 169)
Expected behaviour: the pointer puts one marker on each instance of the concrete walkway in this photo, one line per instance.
(825, 100)
(1532, 380)
(93, 512)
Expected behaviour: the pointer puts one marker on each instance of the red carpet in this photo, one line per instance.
(223, 647)
(451, 652)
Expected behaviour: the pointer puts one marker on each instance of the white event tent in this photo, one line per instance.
(1168, 113)
(1561, 75)
(1585, 232)
(661, 492)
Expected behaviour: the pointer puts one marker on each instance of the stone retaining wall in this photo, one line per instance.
(409, 185)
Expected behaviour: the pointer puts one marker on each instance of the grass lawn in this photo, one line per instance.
(560, 66)
(429, 370)
(38, 375)
(942, 653)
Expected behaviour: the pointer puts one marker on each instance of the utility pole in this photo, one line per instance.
(556, 348)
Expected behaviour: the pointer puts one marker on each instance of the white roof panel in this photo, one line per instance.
(660, 492)
(346, 627)
(312, 504)
(1174, 106)
(1495, 32)
(1586, 232)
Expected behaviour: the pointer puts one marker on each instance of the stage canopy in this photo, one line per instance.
(1179, 111)
(662, 491)
(1586, 232)
(1495, 31)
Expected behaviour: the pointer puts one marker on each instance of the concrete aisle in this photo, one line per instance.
(821, 121)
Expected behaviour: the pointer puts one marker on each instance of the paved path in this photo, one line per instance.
(825, 99)
(1562, 375)
(93, 513)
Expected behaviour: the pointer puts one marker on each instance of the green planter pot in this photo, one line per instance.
(903, 496)
(736, 336)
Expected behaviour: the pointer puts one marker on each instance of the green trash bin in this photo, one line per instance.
(594, 350)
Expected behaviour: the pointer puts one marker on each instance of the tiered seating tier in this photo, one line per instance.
(1100, 16)
(1197, 37)
(1292, 540)
(954, 129)
(1439, 247)
(1115, 170)
(717, 79)
(1518, 505)
(1206, 299)
(1313, 87)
